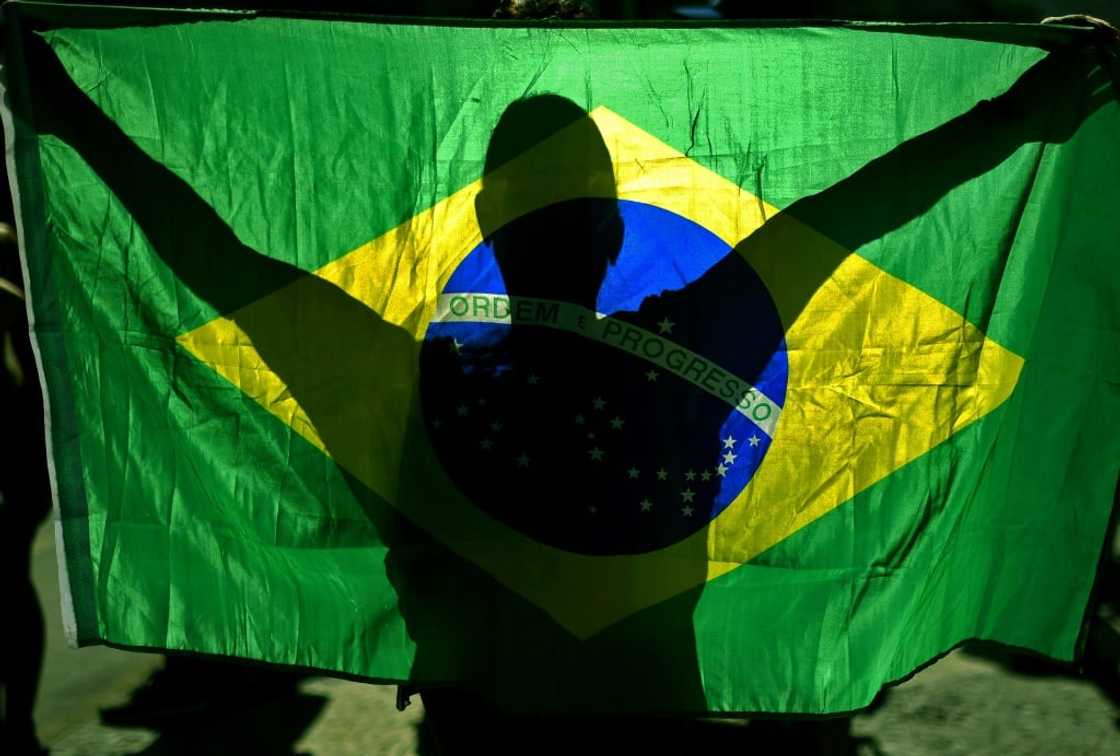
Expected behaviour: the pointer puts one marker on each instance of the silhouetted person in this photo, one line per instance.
(596, 434)
(24, 504)
(566, 253)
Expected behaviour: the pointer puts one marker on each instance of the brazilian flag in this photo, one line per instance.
(690, 368)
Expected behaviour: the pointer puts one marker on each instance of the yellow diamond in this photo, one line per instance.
(879, 373)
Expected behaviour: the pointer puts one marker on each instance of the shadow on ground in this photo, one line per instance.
(274, 729)
(653, 735)
(205, 706)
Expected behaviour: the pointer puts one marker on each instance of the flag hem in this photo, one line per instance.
(111, 15)
(14, 134)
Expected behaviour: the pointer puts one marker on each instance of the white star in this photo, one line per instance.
(486, 444)
(665, 326)
(690, 475)
(662, 474)
(721, 471)
(730, 458)
(592, 509)
(705, 476)
(523, 460)
(590, 436)
(687, 495)
(580, 419)
(617, 422)
(596, 454)
(437, 423)
(633, 473)
(754, 440)
(598, 403)
(482, 401)
(651, 375)
(462, 410)
(686, 511)
(533, 379)
(457, 346)
(495, 426)
(729, 442)
(646, 505)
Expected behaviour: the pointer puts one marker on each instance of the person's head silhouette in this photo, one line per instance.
(552, 219)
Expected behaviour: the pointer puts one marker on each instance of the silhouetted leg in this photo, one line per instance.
(23, 649)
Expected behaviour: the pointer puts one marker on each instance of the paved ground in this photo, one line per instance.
(964, 704)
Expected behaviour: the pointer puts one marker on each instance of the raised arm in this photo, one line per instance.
(1045, 105)
(333, 353)
(802, 246)
(187, 234)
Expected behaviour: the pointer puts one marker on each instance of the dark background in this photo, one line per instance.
(867, 10)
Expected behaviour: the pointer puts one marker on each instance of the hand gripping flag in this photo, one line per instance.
(643, 369)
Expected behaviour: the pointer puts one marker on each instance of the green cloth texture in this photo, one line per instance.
(978, 165)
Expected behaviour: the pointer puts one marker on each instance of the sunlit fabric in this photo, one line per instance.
(633, 369)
